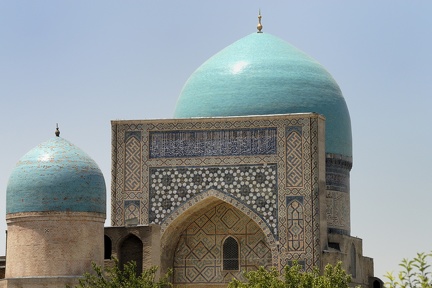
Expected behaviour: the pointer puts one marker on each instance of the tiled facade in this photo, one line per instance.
(266, 168)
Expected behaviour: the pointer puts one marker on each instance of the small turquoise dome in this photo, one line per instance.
(56, 176)
(261, 74)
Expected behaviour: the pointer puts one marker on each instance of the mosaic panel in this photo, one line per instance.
(338, 212)
(120, 133)
(175, 144)
(308, 129)
(284, 255)
(131, 209)
(295, 227)
(254, 185)
(199, 255)
(133, 161)
(294, 158)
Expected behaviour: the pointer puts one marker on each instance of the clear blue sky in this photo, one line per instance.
(84, 63)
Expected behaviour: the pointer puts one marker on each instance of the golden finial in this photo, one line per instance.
(259, 26)
(57, 132)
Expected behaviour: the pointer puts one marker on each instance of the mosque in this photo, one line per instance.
(253, 170)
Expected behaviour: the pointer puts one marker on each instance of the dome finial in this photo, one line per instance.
(259, 26)
(57, 132)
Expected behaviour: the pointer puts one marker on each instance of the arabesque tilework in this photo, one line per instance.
(254, 164)
(202, 143)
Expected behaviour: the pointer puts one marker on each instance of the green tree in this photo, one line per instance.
(293, 277)
(415, 273)
(115, 277)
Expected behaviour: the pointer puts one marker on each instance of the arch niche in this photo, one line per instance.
(107, 247)
(131, 249)
(192, 243)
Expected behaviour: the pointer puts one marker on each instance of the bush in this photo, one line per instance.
(415, 273)
(114, 277)
(293, 277)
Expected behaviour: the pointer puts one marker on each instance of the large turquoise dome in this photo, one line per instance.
(56, 176)
(261, 74)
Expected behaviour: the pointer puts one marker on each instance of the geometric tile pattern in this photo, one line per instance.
(294, 157)
(199, 256)
(295, 217)
(255, 186)
(308, 130)
(133, 162)
(175, 144)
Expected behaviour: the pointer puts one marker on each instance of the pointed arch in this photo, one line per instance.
(175, 223)
(209, 197)
(219, 243)
(131, 249)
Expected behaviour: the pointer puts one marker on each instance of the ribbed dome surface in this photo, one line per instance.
(56, 176)
(261, 74)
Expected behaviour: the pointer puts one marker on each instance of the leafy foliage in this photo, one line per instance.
(415, 273)
(333, 277)
(115, 277)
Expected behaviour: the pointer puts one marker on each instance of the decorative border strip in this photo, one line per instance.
(205, 143)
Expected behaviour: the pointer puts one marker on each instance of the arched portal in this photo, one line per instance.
(174, 224)
(131, 249)
(217, 233)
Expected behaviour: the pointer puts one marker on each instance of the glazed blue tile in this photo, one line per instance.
(56, 176)
(261, 74)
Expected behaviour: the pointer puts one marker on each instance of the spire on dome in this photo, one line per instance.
(57, 132)
(259, 26)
